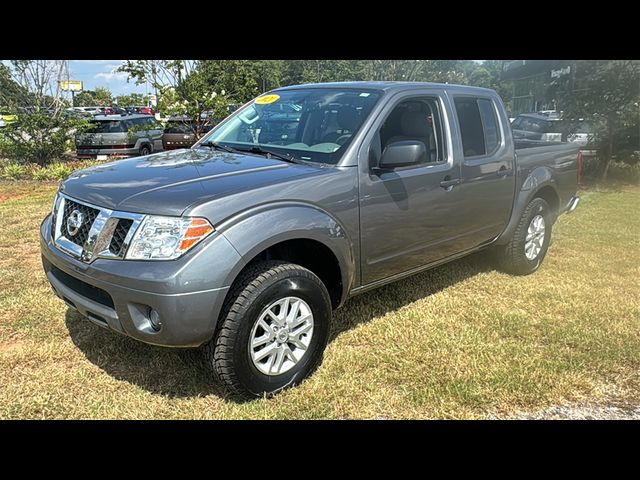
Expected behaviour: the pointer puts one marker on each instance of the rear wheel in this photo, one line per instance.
(273, 329)
(528, 246)
(145, 150)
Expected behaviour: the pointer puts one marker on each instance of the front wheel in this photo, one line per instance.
(273, 329)
(528, 246)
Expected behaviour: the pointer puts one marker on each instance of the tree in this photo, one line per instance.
(488, 75)
(10, 91)
(608, 92)
(306, 71)
(103, 96)
(42, 131)
(85, 98)
(184, 90)
(242, 80)
(132, 100)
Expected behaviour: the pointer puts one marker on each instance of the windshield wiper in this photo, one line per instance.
(268, 153)
(218, 146)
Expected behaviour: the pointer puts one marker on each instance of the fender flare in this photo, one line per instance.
(255, 230)
(539, 178)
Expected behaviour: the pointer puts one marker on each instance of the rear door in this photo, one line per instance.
(487, 157)
(409, 216)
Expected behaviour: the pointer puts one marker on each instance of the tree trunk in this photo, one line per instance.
(608, 154)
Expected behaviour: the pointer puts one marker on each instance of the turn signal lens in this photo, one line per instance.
(198, 229)
(167, 238)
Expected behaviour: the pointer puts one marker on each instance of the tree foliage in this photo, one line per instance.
(43, 131)
(131, 100)
(101, 96)
(185, 89)
(608, 94)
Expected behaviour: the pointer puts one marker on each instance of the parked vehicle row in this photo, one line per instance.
(135, 134)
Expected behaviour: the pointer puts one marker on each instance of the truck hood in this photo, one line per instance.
(167, 183)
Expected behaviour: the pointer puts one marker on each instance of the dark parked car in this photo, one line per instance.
(179, 133)
(245, 244)
(537, 126)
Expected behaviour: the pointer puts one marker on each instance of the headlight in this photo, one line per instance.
(166, 238)
(56, 202)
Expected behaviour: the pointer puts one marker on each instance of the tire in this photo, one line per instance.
(262, 285)
(512, 258)
(145, 150)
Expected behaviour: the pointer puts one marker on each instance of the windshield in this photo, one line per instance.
(312, 124)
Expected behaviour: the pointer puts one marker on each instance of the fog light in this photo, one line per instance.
(154, 318)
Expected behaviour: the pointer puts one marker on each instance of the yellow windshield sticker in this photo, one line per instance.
(267, 99)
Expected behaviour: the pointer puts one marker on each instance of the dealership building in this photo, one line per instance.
(536, 83)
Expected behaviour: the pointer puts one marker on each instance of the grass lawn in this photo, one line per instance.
(460, 341)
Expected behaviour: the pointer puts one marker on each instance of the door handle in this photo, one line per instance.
(448, 183)
(503, 171)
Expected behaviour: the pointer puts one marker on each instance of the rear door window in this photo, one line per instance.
(478, 126)
(489, 124)
(470, 126)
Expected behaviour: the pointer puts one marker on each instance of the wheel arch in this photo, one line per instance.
(299, 234)
(538, 184)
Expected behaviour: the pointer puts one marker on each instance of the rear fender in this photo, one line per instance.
(538, 179)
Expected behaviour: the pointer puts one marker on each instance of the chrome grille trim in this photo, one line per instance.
(100, 234)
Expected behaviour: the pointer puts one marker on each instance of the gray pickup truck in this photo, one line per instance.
(244, 243)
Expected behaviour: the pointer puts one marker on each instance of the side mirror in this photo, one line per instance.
(402, 154)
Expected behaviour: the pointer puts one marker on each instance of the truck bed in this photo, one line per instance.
(560, 158)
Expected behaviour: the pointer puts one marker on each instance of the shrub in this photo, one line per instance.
(625, 172)
(13, 171)
(40, 174)
(37, 137)
(53, 171)
(58, 171)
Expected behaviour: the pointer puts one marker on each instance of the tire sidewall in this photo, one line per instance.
(142, 150)
(286, 284)
(537, 207)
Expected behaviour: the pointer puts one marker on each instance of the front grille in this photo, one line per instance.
(119, 234)
(82, 288)
(89, 214)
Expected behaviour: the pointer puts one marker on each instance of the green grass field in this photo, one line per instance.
(460, 341)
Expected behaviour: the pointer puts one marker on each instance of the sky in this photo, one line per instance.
(100, 73)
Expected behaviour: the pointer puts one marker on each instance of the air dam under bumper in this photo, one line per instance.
(108, 293)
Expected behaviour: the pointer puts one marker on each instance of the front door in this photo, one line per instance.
(409, 216)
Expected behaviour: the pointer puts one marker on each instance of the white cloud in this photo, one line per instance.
(111, 76)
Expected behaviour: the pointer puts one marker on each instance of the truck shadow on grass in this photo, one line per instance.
(180, 373)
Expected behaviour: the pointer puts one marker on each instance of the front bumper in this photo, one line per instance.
(118, 294)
